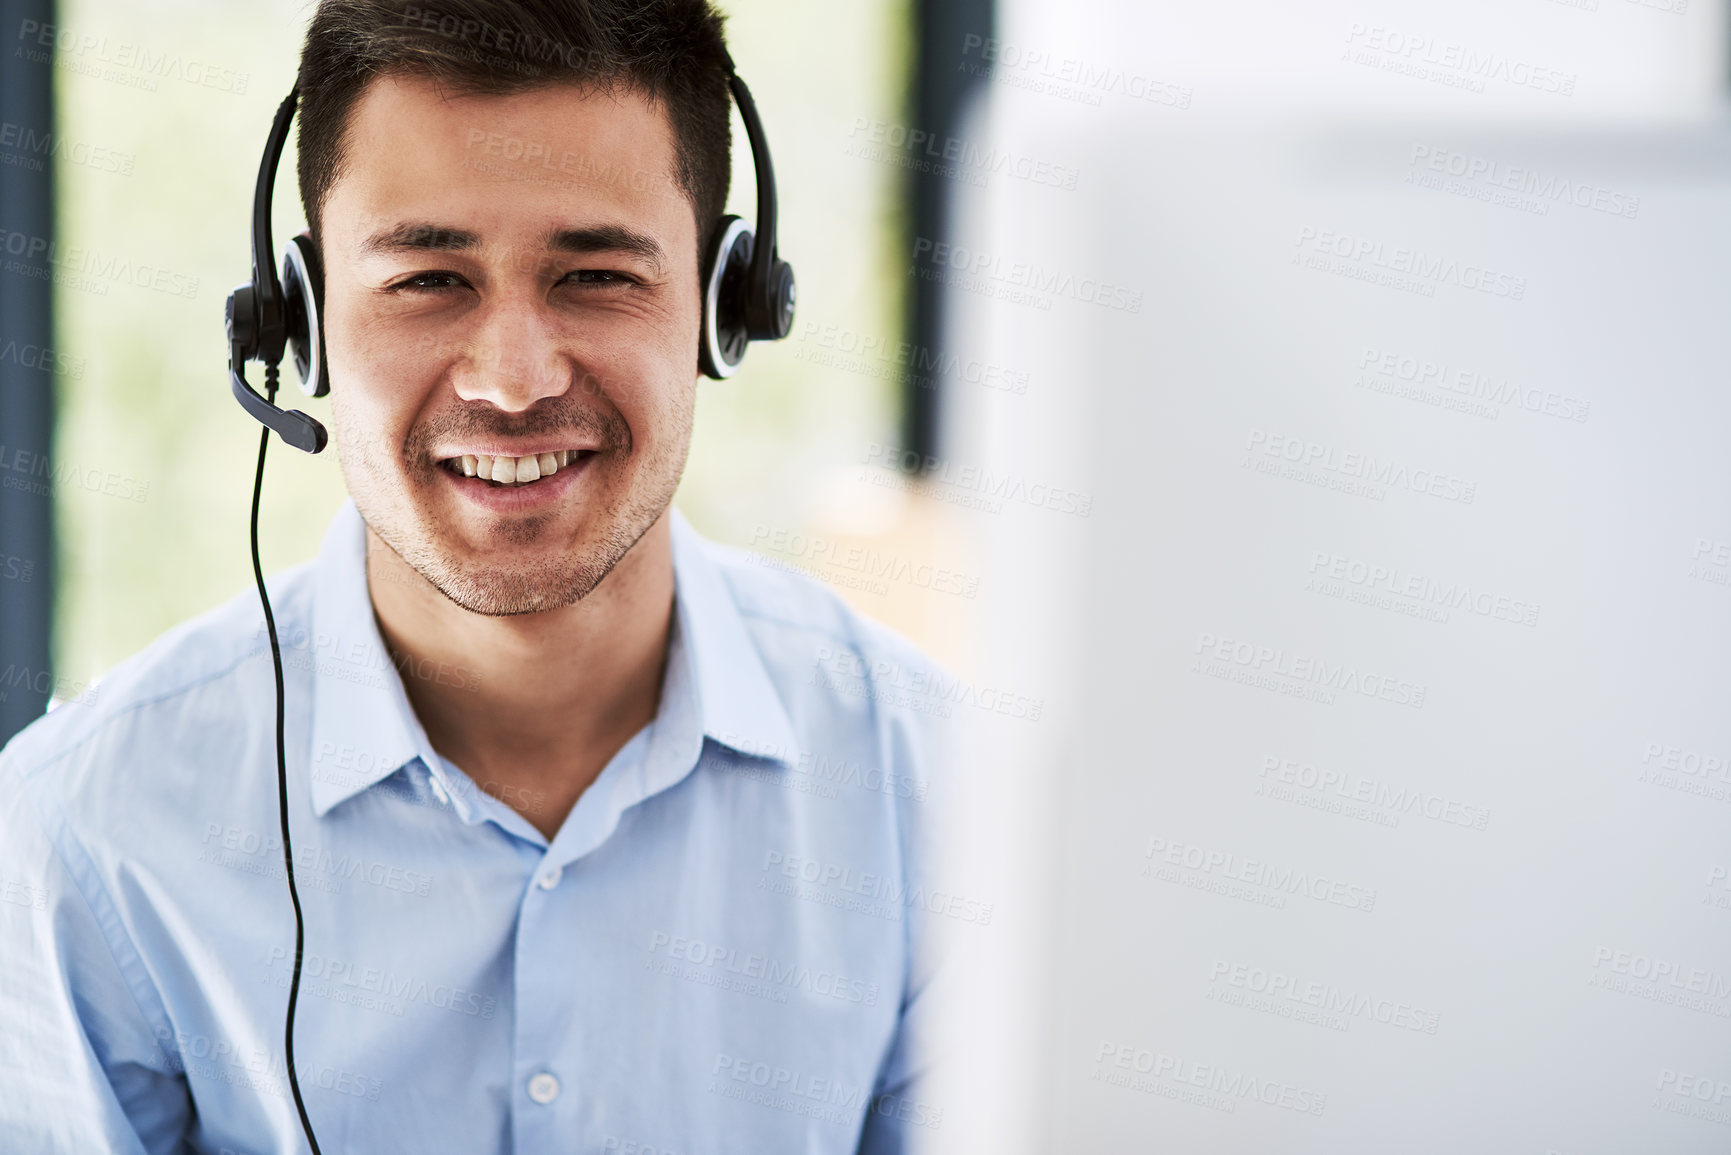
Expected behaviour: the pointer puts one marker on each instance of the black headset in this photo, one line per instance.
(748, 290)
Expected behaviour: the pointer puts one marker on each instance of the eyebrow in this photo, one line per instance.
(607, 239)
(420, 236)
(414, 235)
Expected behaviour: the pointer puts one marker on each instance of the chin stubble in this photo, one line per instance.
(389, 507)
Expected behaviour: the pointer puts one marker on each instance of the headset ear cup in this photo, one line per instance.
(303, 285)
(783, 297)
(723, 341)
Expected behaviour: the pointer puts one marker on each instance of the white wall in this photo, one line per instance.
(1550, 921)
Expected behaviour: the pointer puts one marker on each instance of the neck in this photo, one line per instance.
(532, 706)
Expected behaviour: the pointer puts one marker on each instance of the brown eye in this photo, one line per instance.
(428, 282)
(600, 277)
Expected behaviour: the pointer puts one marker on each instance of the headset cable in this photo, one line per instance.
(288, 863)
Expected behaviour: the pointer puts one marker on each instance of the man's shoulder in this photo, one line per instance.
(199, 658)
(779, 599)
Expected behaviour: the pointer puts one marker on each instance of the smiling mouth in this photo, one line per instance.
(510, 471)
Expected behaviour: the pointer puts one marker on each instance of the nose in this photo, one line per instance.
(514, 358)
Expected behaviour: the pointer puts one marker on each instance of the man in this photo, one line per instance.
(576, 870)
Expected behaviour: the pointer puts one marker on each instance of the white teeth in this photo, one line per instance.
(513, 470)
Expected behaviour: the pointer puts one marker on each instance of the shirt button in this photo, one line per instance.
(543, 1088)
(550, 878)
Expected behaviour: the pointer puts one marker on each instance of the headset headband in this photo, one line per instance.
(764, 323)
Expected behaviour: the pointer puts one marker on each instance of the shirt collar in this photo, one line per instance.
(364, 730)
(737, 700)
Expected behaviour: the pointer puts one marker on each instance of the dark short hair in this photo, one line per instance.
(671, 52)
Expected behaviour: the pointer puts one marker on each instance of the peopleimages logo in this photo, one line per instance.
(1220, 657)
(1425, 268)
(865, 562)
(1484, 178)
(34, 473)
(1457, 65)
(362, 661)
(1469, 384)
(59, 687)
(88, 269)
(773, 974)
(343, 981)
(821, 1099)
(1662, 980)
(1327, 785)
(23, 894)
(916, 686)
(1712, 561)
(222, 1060)
(1420, 589)
(1256, 872)
(28, 148)
(223, 843)
(1704, 775)
(534, 158)
(835, 346)
(1326, 998)
(1231, 1086)
(1697, 1096)
(43, 359)
(973, 481)
(885, 896)
(1064, 77)
(98, 56)
(952, 156)
(1017, 281)
(1350, 470)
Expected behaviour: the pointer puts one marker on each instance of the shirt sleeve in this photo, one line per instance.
(902, 1118)
(899, 1119)
(82, 1066)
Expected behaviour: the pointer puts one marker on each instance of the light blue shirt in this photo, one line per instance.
(726, 946)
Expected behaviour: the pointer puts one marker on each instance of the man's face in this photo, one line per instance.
(510, 279)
